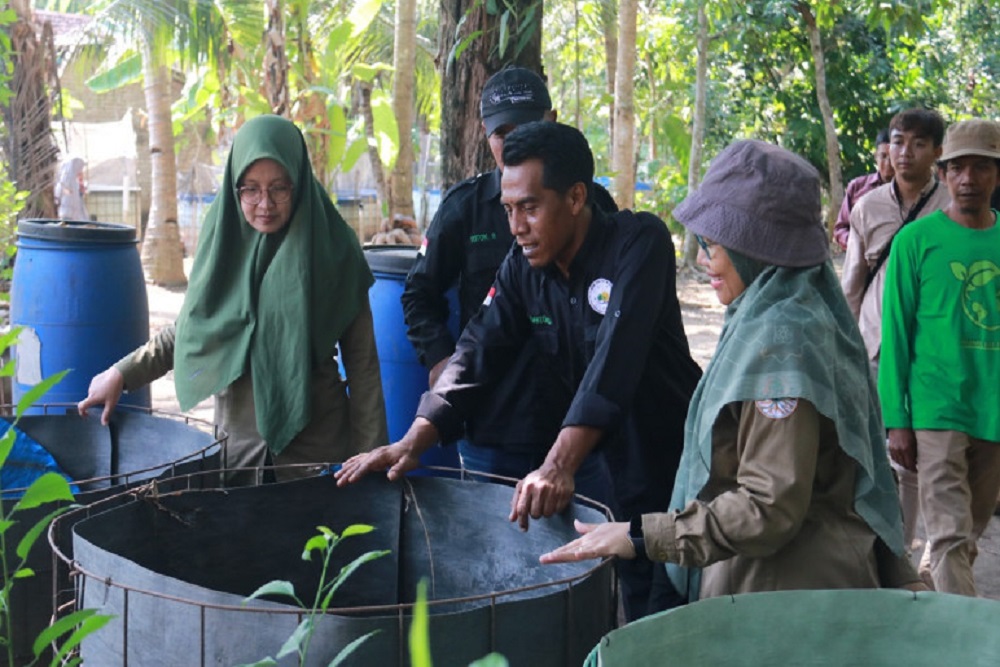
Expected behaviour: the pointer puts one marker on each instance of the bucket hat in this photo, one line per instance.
(513, 96)
(972, 137)
(760, 200)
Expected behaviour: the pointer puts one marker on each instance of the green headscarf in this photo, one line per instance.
(791, 335)
(274, 304)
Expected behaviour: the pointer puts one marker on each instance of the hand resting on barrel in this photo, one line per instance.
(399, 457)
(542, 493)
(598, 540)
(105, 389)
(549, 489)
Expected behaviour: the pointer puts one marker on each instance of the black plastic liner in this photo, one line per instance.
(175, 570)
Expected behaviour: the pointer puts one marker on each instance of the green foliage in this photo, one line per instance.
(420, 632)
(49, 488)
(123, 72)
(879, 57)
(420, 636)
(323, 543)
(515, 23)
(490, 660)
(518, 22)
(11, 199)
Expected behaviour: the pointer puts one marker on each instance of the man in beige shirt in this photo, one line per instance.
(915, 138)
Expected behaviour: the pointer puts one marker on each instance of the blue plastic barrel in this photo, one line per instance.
(404, 380)
(80, 297)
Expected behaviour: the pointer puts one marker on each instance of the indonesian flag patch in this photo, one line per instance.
(423, 247)
(489, 296)
(778, 408)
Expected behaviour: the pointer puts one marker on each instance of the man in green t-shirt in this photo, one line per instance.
(939, 377)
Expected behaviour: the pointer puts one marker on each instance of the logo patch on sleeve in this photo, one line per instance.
(489, 296)
(778, 408)
(423, 247)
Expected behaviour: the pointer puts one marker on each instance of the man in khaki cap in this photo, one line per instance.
(939, 376)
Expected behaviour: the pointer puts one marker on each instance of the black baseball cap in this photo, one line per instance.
(513, 96)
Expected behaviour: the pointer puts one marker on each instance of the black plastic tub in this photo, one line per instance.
(175, 569)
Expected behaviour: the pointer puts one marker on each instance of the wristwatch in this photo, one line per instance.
(637, 537)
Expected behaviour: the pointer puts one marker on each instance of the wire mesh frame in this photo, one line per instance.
(205, 457)
(196, 481)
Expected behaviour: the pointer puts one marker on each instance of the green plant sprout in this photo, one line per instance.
(48, 488)
(420, 638)
(298, 642)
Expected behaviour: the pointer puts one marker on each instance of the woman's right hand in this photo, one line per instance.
(105, 388)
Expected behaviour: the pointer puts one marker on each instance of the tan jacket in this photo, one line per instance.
(874, 221)
(339, 427)
(777, 512)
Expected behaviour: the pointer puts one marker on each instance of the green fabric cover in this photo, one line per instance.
(277, 302)
(790, 334)
(873, 628)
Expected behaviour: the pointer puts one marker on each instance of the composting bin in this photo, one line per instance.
(101, 461)
(174, 569)
(79, 294)
(404, 380)
(874, 628)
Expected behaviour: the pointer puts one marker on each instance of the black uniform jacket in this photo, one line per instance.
(464, 246)
(609, 340)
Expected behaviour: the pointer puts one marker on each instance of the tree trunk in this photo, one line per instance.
(276, 60)
(623, 155)
(832, 145)
(609, 19)
(30, 150)
(404, 82)
(463, 149)
(697, 127)
(577, 83)
(162, 253)
(378, 169)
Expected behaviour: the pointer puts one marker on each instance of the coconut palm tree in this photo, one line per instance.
(159, 33)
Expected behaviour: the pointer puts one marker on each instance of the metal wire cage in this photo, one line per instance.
(139, 444)
(174, 561)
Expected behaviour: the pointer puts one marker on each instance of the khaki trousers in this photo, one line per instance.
(959, 478)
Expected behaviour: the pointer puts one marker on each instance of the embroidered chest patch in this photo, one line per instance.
(778, 408)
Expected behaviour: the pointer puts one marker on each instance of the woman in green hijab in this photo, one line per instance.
(277, 282)
(784, 482)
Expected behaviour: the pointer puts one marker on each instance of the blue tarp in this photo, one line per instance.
(27, 461)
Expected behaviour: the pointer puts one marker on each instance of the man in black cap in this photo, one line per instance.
(465, 244)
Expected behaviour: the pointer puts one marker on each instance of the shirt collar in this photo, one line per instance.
(491, 186)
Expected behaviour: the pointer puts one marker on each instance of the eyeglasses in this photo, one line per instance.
(705, 243)
(251, 194)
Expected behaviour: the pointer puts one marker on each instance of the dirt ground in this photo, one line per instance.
(702, 316)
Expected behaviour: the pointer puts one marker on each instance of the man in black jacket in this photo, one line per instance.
(596, 295)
